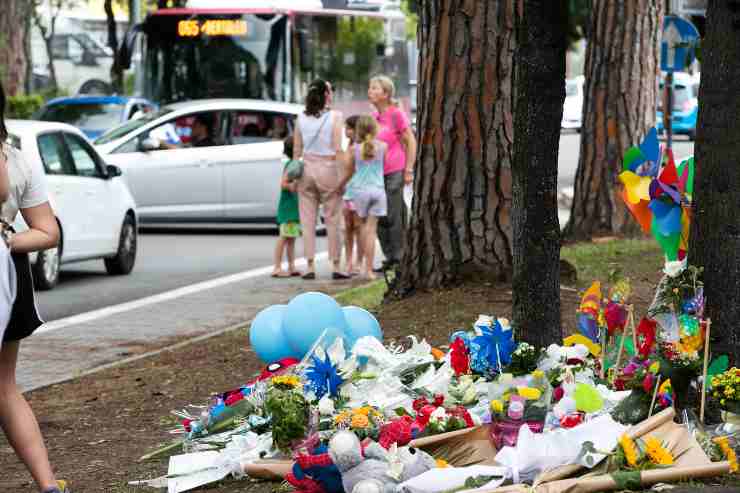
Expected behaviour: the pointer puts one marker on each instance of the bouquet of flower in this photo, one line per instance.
(680, 292)
(640, 375)
(364, 421)
(523, 359)
(462, 391)
(726, 390)
(647, 453)
(518, 401)
(288, 410)
(433, 417)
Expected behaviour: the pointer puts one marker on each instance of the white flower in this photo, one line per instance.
(326, 406)
(674, 268)
(439, 415)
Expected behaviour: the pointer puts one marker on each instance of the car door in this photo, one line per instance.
(68, 197)
(178, 182)
(98, 209)
(255, 164)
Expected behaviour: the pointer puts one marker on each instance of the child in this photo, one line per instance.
(365, 169)
(288, 219)
(351, 219)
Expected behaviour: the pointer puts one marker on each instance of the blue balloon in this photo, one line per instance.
(266, 335)
(307, 316)
(361, 323)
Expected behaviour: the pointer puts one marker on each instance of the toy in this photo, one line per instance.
(371, 468)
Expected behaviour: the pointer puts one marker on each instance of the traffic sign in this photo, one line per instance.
(677, 49)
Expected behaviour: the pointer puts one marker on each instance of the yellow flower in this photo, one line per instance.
(655, 367)
(442, 464)
(342, 418)
(497, 406)
(287, 380)
(630, 450)
(538, 374)
(529, 393)
(359, 421)
(730, 455)
(657, 453)
(365, 411)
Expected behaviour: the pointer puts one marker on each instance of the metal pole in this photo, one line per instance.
(135, 11)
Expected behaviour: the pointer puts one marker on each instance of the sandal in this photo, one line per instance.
(339, 276)
(280, 274)
(309, 276)
(296, 273)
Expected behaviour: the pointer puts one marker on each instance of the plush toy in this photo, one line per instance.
(315, 472)
(371, 468)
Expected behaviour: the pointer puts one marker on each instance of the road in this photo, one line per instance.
(168, 260)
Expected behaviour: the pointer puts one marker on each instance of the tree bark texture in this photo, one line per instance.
(715, 230)
(460, 223)
(13, 24)
(620, 95)
(540, 63)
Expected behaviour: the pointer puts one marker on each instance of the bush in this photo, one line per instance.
(23, 107)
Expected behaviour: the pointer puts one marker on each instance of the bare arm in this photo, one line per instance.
(297, 143)
(287, 184)
(43, 232)
(4, 180)
(408, 140)
(347, 170)
(337, 136)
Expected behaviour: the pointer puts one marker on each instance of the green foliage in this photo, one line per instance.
(288, 410)
(673, 291)
(410, 9)
(23, 107)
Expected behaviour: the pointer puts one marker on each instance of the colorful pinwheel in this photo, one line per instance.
(658, 194)
(590, 314)
(323, 377)
(491, 350)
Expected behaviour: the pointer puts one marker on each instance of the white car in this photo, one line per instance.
(233, 178)
(573, 105)
(93, 206)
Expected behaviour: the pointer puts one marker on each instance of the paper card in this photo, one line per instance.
(189, 471)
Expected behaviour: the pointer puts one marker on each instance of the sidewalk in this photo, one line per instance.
(69, 352)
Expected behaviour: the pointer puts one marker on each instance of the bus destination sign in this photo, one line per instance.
(211, 27)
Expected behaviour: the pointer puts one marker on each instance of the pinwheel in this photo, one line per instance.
(323, 377)
(590, 313)
(492, 349)
(659, 197)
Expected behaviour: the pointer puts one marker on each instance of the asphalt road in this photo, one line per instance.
(170, 260)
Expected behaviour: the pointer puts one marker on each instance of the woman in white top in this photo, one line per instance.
(23, 188)
(318, 139)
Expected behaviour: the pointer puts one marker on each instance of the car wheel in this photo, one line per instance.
(46, 269)
(123, 262)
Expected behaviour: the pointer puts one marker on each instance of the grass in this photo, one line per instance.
(603, 261)
(368, 296)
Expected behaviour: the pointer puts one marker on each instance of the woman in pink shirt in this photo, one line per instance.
(398, 167)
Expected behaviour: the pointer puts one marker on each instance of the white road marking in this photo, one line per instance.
(162, 297)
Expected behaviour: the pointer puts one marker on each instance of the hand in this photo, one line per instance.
(408, 177)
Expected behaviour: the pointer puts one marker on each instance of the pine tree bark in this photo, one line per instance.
(540, 62)
(13, 16)
(715, 230)
(620, 95)
(460, 224)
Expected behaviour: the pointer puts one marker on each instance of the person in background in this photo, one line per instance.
(318, 139)
(202, 131)
(398, 168)
(352, 223)
(288, 219)
(365, 168)
(26, 194)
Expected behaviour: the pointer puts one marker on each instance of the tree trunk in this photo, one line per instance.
(116, 71)
(460, 223)
(12, 55)
(540, 62)
(48, 43)
(620, 95)
(715, 229)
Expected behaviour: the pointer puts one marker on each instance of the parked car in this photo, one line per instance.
(93, 206)
(94, 115)
(234, 180)
(573, 105)
(685, 105)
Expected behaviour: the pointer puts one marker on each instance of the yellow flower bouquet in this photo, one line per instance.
(726, 390)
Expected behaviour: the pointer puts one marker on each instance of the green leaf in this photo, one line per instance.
(401, 412)
(719, 365)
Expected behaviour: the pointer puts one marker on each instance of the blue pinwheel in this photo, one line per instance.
(491, 351)
(323, 377)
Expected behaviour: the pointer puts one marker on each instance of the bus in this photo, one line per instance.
(270, 50)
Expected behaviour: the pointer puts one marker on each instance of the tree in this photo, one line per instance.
(619, 108)
(541, 36)
(116, 70)
(13, 25)
(460, 223)
(44, 14)
(715, 229)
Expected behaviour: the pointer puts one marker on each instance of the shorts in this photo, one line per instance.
(370, 202)
(24, 317)
(349, 205)
(290, 230)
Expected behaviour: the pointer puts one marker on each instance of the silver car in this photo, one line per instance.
(233, 177)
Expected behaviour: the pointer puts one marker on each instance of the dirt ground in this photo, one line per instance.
(98, 426)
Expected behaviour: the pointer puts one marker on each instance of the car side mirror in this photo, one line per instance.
(113, 171)
(149, 144)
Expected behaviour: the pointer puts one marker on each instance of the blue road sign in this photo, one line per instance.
(677, 49)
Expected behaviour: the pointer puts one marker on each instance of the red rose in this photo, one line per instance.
(186, 424)
(422, 417)
(558, 394)
(419, 403)
(619, 384)
(574, 361)
(646, 329)
(647, 383)
(439, 399)
(459, 357)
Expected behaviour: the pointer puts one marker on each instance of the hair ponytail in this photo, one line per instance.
(365, 132)
(316, 97)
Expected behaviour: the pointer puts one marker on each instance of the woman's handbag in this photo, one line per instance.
(294, 168)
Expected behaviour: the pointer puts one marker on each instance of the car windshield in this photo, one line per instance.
(571, 88)
(681, 95)
(130, 126)
(87, 116)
